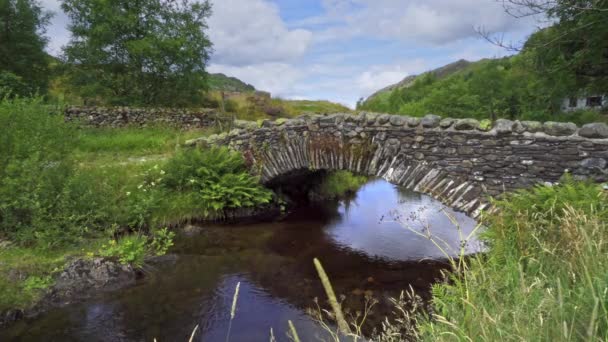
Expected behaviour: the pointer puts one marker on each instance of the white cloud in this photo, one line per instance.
(380, 76)
(277, 78)
(419, 21)
(246, 32)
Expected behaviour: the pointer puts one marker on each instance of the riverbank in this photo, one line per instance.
(65, 191)
(543, 277)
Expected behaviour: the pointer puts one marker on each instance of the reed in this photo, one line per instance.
(235, 299)
(293, 332)
(333, 301)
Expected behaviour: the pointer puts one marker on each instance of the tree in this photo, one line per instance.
(139, 52)
(574, 46)
(23, 61)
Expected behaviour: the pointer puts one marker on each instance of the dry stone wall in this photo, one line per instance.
(127, 116)
(454, 160)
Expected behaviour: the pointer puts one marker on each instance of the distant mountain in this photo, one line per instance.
(440, 73)
(221, 82)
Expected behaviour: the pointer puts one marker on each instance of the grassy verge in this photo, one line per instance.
(545, 277)
(247, 106)
(25, 272)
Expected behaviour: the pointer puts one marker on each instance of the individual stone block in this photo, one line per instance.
(430, 121)
(559, 128)
(466, 124)
(594, 131)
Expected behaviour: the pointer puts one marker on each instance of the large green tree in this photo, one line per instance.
(573, 51)
(138, 52)
(23, 62)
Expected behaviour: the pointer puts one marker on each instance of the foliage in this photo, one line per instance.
(35, 171)
(144, 52)
(37, 283)
(221, 82)
(23, 62)
(217, 178)
(248, 106)
(503, 88)
(12, 85)
(542, 279)
(340, 183)
(35, 266)
(574, 47)
(162, 240)
(130, 250)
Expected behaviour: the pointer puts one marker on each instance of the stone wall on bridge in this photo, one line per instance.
(457, 161)
(128, 116)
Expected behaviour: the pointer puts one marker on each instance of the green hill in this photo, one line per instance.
(487, 89)
(439, 73)
(221, 82)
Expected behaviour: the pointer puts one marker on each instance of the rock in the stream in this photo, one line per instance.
(84, 275)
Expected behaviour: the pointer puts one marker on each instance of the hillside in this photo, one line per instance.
(221, 82)
(439, 73)
(486, 89)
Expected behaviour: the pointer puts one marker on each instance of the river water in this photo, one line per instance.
(375, 244)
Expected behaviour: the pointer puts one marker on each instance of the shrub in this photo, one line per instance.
(130, 250)
(215, 179)
(35, 170)
(162, 240)
(12, 85)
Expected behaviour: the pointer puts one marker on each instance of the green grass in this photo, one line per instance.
(130, 142)
(340, 183)
(32, 270)
(299, 107)
(545, 277)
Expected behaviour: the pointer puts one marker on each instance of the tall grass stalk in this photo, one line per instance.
(193, 333)
(235, 298)
(293, 332)
(333, 301)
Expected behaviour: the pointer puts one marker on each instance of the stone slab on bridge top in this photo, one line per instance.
(460, 162)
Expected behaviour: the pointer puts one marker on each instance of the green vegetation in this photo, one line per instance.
(25, 271)
(129, 250)
(253, 107)
(543, 278)
(488, 89)
(221, 82)
(23, 62)
(149, 52)
(63, 189)
(341, 183)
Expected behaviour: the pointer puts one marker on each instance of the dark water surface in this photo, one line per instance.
(371, 244)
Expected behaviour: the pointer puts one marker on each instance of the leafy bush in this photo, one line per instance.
(216, 178)
(543, 278)
(162, 240)
(35, 170)
(12, 85)
(130, 250)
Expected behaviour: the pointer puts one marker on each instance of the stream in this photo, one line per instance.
(374, 244)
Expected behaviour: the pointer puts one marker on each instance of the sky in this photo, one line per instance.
(340, 50)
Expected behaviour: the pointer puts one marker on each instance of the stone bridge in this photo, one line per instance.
(457, 161)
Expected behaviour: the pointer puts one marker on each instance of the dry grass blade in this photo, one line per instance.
(293, 331)
(193, 333)
(333, 301)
